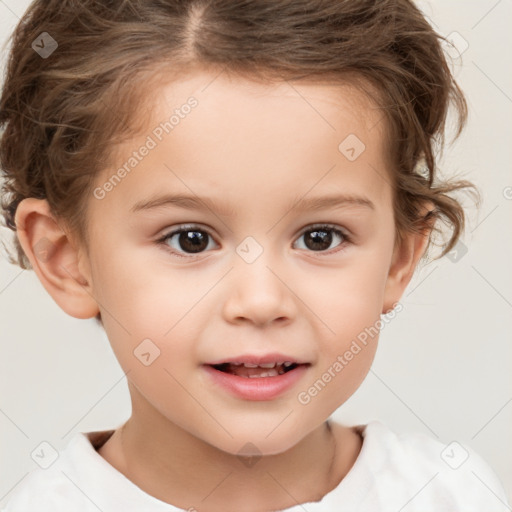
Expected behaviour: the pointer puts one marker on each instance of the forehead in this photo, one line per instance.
(222, 95)
(247, 138)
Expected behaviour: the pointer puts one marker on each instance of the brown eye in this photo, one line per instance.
(187, 240)
(192, 241)
(320, 238)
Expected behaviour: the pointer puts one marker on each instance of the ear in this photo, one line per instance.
(406, 257)
(54, 258)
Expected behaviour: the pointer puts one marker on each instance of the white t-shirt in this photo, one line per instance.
(393, 472)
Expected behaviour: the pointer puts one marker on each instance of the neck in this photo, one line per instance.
(176, 467)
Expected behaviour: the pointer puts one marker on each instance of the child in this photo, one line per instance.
(295, 140)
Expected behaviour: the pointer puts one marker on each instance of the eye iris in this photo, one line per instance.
(192, 241)
(322, 239)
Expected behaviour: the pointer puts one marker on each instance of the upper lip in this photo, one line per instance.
(257, 359)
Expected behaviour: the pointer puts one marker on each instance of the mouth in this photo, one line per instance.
(257, 377)
(255, 371)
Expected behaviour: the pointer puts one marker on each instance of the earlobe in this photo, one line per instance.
(405, 259)
(54, 258)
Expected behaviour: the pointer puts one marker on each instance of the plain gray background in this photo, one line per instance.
(444, 365)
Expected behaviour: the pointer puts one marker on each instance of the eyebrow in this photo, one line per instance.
(203, 203)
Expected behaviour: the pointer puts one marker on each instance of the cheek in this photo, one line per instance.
(345, 357)
(349, 309)
(151, 310)
(141, 293)
(349, 298)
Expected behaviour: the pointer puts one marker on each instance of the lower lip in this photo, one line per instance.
(257, 388)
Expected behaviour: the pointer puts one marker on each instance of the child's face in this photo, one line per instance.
(257, 284)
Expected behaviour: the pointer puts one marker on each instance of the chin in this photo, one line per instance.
(254, 442)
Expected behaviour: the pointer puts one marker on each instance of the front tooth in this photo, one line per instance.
(270, 373)
(268, 365)
(250, 365)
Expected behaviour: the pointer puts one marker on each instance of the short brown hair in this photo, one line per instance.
(62, 115)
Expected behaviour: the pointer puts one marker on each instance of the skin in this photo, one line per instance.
(257, 148)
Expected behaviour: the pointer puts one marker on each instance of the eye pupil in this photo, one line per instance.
(322, 239)
(192, 241)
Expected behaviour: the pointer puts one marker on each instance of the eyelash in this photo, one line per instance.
(347, 240)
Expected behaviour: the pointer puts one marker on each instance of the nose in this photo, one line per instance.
(259, 293)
